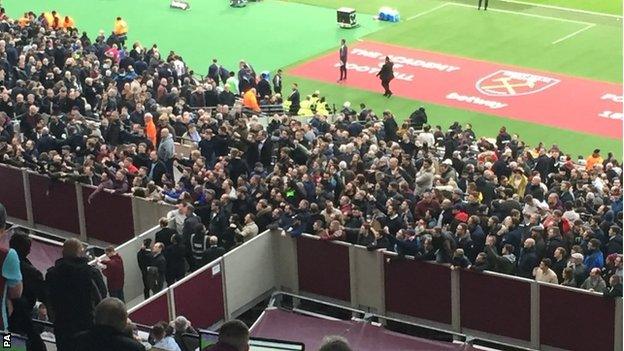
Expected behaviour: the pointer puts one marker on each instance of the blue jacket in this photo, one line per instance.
(594, 260)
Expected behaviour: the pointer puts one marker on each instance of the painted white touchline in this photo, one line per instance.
(428, 11)
(524, 14)
(573, 34)
(561, 8)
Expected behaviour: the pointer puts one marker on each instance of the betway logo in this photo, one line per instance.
(612, 97)
(475, 100)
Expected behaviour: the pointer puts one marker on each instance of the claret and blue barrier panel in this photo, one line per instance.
(63, 208)
(488, 306)
(12, 192)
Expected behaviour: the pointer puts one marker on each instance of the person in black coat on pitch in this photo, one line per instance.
(386, 75)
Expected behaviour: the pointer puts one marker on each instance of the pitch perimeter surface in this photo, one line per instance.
(556, 100)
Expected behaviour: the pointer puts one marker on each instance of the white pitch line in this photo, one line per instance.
(561, 8)
(573, 34)
(429, 11)
(524, 14)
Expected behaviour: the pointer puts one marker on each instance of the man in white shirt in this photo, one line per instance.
(544, 274)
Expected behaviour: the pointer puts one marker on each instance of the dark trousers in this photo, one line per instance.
(343, 71)
(20, 322)
(146, 285)
(64, 339)
(386, 85)
(484, 7)
(118, 294)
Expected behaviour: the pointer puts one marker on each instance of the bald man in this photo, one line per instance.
(109, 331)
(75, 288)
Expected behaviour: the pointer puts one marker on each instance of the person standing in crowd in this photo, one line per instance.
(214, 251)
(175, 256)
(114, 273)
(110, 329)
(158, 268)
(144, 260)
(213, 72)
(199, 246)
(166, 151)
(544, 274)
(295, 100)
(277, 82)
(233, 336)
(593, 160)
(74, 288)
(120, 29)
(386, 75)
(343, 51)
(11, 285)
(20, 320)
(165, 233)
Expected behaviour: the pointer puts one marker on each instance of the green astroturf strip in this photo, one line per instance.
(515, 39)
(269, 35)
(408, 7)
(485, 125)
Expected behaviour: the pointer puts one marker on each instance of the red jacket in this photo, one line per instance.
(114, 273)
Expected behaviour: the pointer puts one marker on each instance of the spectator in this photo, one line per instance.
(503, 263)
(214, 251)
(614, 245)
(175, 255)
(594, 282)
(615, 287)
(528, 259)
(249, 230)
(334, 343)
(594, 258)
(165, 233)
(158, 268)
(579, 269)
(114, 273)
(544, 274)
(568, 278)
(109, 330)
(75, 288)
(162, 334)
(144, 260)
(20, 321)
(233, 336)
(182, 326)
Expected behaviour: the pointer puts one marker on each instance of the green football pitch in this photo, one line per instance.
(573, 37)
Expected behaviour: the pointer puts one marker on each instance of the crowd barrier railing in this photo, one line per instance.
(498, 308)
(37, 202)
(504, 309)
(199, 297)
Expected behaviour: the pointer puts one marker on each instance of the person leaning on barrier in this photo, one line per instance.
(109, 332)
(233, 336)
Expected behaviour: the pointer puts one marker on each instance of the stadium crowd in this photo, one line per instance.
(99, 113)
